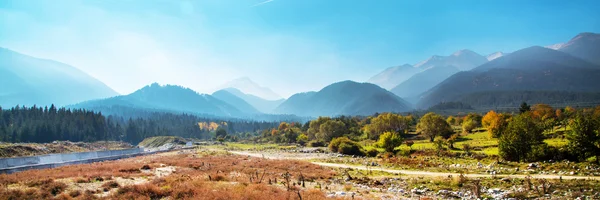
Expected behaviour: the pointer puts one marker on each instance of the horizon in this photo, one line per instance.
(287, 46)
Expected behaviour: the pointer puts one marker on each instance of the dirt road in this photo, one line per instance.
(406, 172)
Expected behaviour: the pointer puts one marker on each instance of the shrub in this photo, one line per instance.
(54, 188)
(389, 141)
(350, 149)
(346, 146)
(110, 185)
(372, 152)
(75, 193)
(315, 143)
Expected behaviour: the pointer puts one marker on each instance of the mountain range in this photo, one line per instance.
(536, 74)
(43, 82)
(432, 71)
(250, 87)
(344, 98)
(565, 73)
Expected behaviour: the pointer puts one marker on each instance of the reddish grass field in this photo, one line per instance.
(181, 175)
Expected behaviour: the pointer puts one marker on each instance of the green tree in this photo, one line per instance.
(315, 126)
(221, 132)
(331, 129)
(388, 122)
(389, 141)
(524, 108)
(302, 139)
(471, 121)
(584, 136)
(519, 138)
(432, 125)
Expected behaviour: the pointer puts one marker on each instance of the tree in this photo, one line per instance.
(331, 129)
(302, 139)
(432, 125)
(495, 123)
(544, 115)
(346, 146)
(471, 121)
(315, 126)
(519, 138)
(389, 141)
(451, 140)
(584, 137)
(221, 132)
(451, 120)
(524, 108)
(388, 122)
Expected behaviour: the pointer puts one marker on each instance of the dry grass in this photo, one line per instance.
(193, 176)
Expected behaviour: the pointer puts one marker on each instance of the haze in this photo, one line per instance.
(289, 46)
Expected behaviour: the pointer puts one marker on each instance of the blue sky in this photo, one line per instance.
(288, 45)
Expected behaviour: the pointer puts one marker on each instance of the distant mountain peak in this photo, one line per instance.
(465, 52)
(247, 86)
(555, 46)
(495, 55)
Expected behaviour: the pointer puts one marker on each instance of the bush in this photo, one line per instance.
(346, 146)
(350, 149)
(315, 143)
(372, 152)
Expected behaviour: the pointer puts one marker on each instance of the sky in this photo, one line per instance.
(289, 46)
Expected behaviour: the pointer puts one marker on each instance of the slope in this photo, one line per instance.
(235, 101)
(535, 69)
(167, 98)
(44, 82)
(344, 98)
(262, 105)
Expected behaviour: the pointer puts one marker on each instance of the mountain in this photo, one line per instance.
(344, 98)
(434, 70)
(463, 60)
(28, 80)
(423, 81)
(585, 46)
(533, 74)
(555, 46)
(250, 87)
(393, 76)
(235, 101)
(495, 55)
(262, 105)
(169, 98)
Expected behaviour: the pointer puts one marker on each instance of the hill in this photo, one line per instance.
(248, 86)
(535, 70)
(235, 101)
(344, 98)
(44, 82)
(262, 105)
(393, 76)
(167, 98)
(585, 46)
(423, 81)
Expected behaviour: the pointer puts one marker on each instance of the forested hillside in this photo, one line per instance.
(37, 124)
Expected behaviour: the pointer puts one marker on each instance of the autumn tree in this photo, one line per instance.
(389, 141)
(495, 123)
(520, 137)
(544, 115)
(432, 125)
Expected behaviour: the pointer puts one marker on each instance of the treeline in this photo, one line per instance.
(520, 135)
(47, 124)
